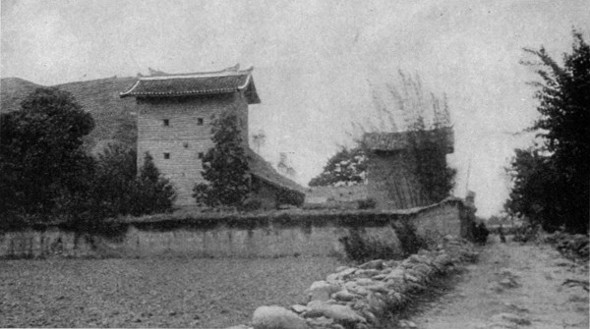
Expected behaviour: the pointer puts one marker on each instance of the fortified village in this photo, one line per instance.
(175, 112)
(174, 116)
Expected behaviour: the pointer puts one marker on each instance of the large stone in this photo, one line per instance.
(364, 282)
(299, 308)
(343, 274)
(368, 273)
(354, 288)
(340, 313)
(379, 287)
(376, 264)
(344, 295)
(397, 274)
(321, 290)
(276, 317)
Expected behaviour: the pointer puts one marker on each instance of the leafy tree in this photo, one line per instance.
(115, 182)
(346, 167)
(154, 194)
(119, 190)
(43, 168)
(534, 192)
(429, 151)
(562, 161)
(225, 166)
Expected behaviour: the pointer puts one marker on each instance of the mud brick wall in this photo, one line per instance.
(299, 233)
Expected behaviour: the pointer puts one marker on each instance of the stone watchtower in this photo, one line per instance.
(392, 180)
(175, 112)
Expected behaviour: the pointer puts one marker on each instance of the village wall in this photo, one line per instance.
(186, 135)
(263, 235)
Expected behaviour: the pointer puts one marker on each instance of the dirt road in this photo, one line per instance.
(512, 286)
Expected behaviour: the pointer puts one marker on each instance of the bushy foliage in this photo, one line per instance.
(358, 248)
(346, 167)
(45, 174)
(225, 166)
(367, 204)
(429, 151)
(155, 193)
(43, 168)
(551, 181)
(114, 188)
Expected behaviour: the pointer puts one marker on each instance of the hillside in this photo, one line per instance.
(12, 91)
(113, 116)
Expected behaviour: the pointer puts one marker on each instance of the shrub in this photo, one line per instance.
(251, 205)
(529, 232)
(360, 249)
(406, 233)
(367, 204)
(154, 193)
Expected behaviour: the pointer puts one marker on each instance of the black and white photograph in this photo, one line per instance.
(283, 164)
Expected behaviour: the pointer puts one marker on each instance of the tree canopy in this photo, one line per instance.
(46, 175)
(225, 166)
(346, 167)
(42, 164)
(552, 180)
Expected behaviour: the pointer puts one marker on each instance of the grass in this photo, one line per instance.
(175, 292)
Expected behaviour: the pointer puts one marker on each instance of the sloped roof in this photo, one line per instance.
(265, 171)
(200, 83)
(400, 140)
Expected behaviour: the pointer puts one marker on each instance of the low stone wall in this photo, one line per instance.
(366, 296)
(295, 233)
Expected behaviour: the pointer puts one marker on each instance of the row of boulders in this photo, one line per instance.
(365, 296)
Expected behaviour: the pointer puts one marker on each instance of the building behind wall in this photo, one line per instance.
(392, 180)
(175, 113)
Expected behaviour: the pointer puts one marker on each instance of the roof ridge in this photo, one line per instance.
(224, 72)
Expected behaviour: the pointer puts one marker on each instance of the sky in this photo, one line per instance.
(318, 65)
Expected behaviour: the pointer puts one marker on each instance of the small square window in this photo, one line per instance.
(201, 155)
(200, 121)
(166, 122)
(166, 156)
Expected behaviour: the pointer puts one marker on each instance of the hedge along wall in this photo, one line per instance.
(292, 233)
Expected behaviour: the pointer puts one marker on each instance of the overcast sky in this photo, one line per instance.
(317, 63)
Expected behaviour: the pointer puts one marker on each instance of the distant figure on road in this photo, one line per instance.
(501, 233)
(481, 233)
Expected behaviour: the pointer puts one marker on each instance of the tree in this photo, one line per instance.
(562, 160)
(115, 182)
(535, 183)
(225, 166)
(43, 168)
(346, 167)
(428, 149)
(154, 194)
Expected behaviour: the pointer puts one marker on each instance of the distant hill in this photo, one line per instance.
(113, 116)
(12, 91)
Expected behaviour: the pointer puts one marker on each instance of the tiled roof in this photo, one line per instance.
(265, 171)
(400, 140)
(202, 83)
